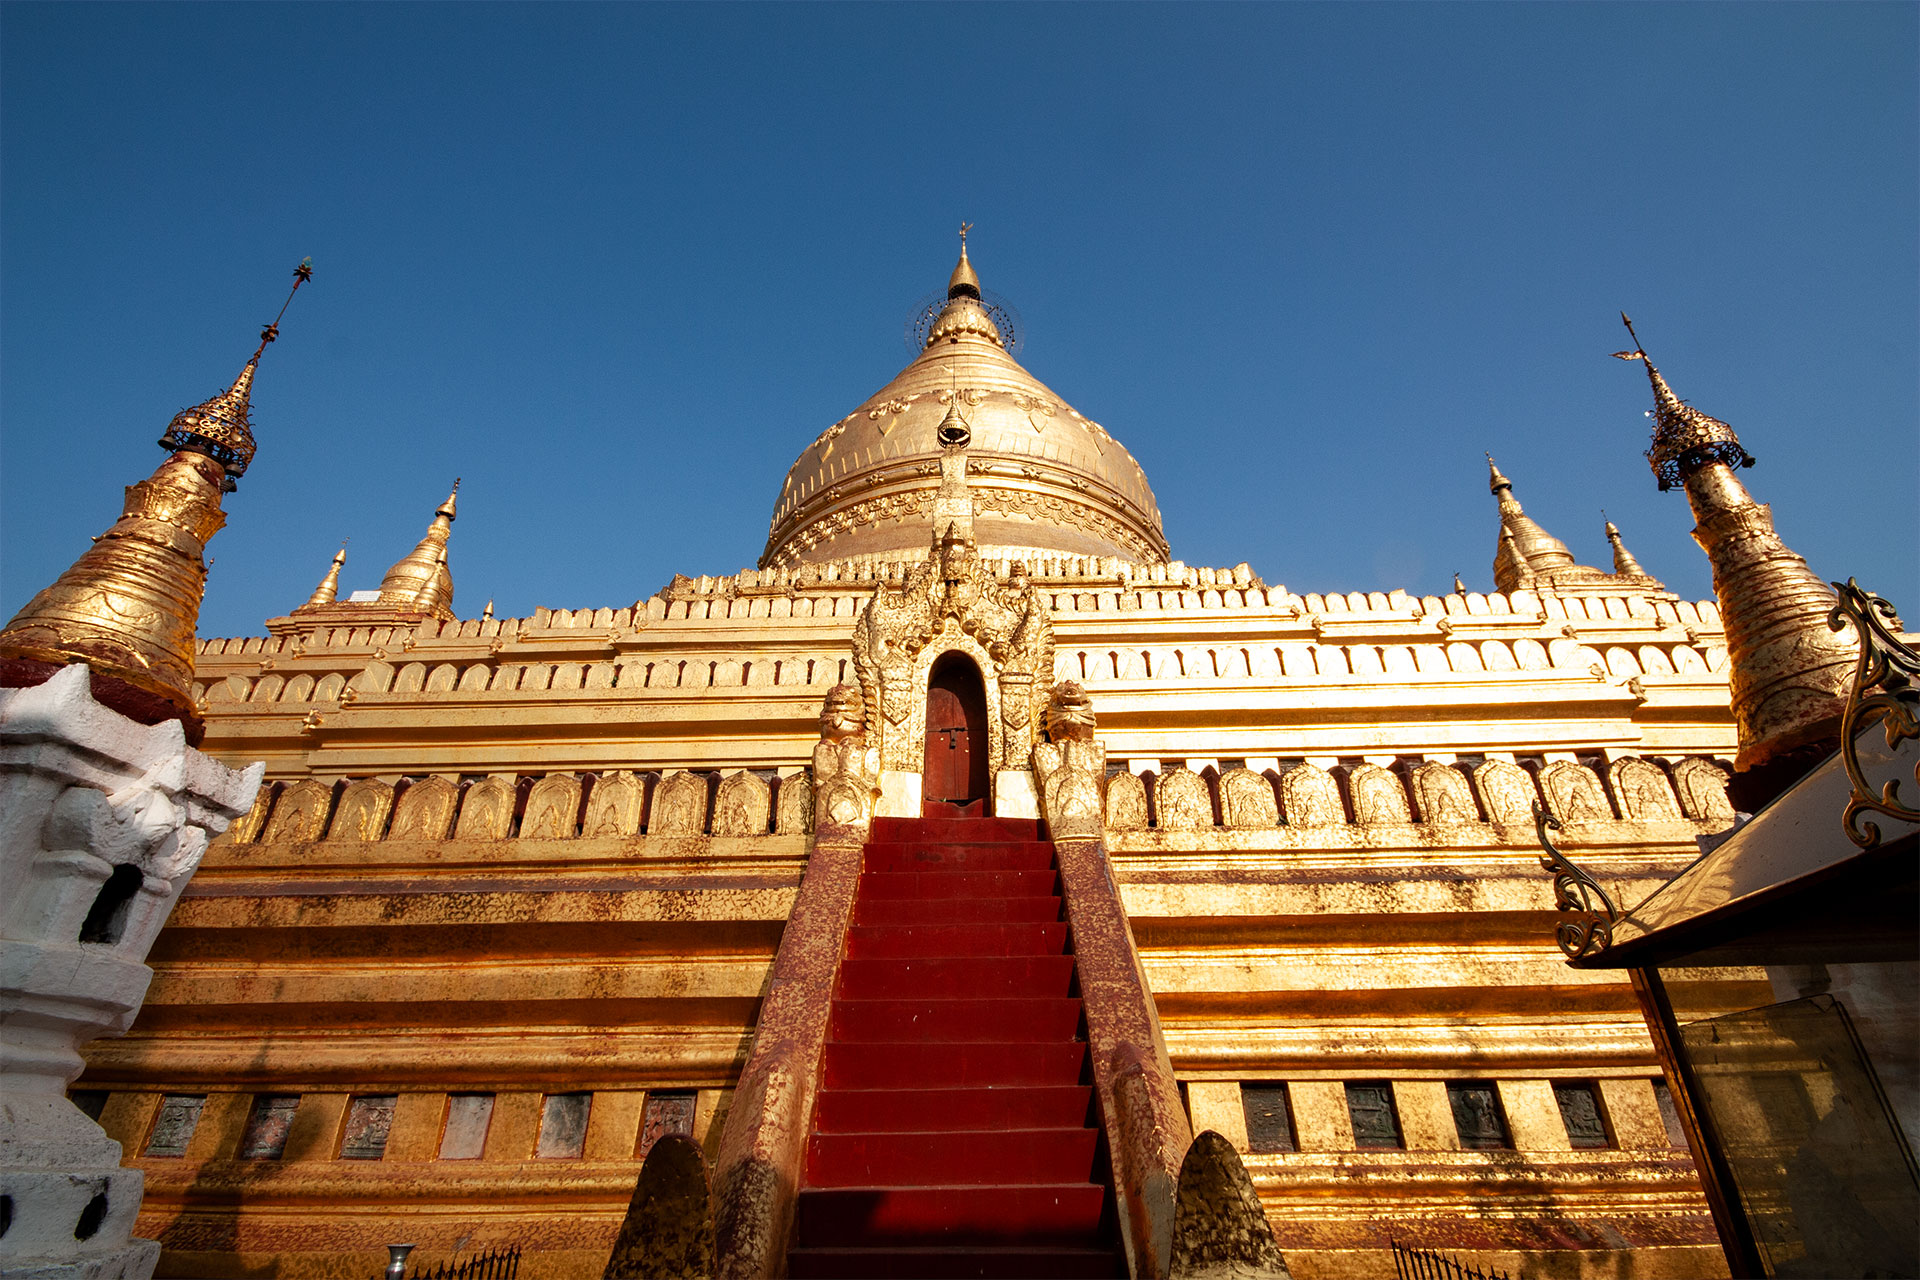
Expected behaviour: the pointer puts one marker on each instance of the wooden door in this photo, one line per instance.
(949, 765)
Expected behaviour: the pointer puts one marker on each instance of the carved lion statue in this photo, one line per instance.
(1069, 713)
(844, 713)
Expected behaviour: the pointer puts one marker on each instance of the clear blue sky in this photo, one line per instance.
(617, 265)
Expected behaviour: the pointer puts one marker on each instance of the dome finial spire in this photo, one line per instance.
(421, 579)
(964, 283)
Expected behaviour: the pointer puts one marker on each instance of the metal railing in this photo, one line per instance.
(1425, 1264)
(495, 1264)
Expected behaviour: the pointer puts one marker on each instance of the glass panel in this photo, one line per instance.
(173, 1127)
(1476, 1116)
(667, 1112)
(267, 1125)
(369, 1121)
(563, 1126)
(1580, 1112)
(468, 1117)
(1374, 1121)
(1826, 1183)
(1269, 1122)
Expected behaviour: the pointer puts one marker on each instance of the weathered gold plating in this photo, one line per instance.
(127, 607)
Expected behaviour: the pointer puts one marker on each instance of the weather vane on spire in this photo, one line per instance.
(964, 228)
(1639, 352)
(301, 274)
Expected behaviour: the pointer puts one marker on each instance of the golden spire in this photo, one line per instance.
(420, 579)
(1623, 561)
(487, 612)
(1524, 545)
(1511, 571)
(329, 589)
(128, 606)
(1459, 587)
(963, 283)
(966, 313)
(1790, 673)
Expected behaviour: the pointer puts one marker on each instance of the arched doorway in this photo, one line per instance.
(955, 772)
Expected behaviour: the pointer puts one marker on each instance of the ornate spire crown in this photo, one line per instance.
(1684, 438)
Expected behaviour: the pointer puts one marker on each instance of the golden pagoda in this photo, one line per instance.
(525, 896)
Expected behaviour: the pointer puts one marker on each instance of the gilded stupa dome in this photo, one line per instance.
(1045, 480)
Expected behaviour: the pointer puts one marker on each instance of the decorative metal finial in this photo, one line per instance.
(222, 428)
(1459, 587)
(301, 274)
(1684, 438)
(964, 228)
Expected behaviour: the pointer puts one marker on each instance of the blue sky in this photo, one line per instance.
(616, 265)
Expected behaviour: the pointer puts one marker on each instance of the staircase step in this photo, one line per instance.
(971, 1157)
(978, 1107)
(1024, 938)
(871, 1065)
(1064, 1214)
(956, 910)
(1034, 855)
(995, 977)
(1014, 1263)
(965, 1019)
(956, 884)
(935, 830)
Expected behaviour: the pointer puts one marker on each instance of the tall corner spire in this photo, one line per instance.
(421, 579)
(129, 606)
(964, 283)
(329, 589)
(1789, 672)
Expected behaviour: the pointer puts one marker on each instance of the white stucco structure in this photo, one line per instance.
(102, 822)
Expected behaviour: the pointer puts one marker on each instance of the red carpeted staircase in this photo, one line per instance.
(954, 1133)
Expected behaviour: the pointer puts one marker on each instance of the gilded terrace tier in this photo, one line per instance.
(508, 906)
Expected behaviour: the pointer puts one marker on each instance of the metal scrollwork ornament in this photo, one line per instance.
(1883, 692)
(1588, 928)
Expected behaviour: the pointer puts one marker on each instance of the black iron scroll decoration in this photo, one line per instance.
(1587, 928)
(1883, 691)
